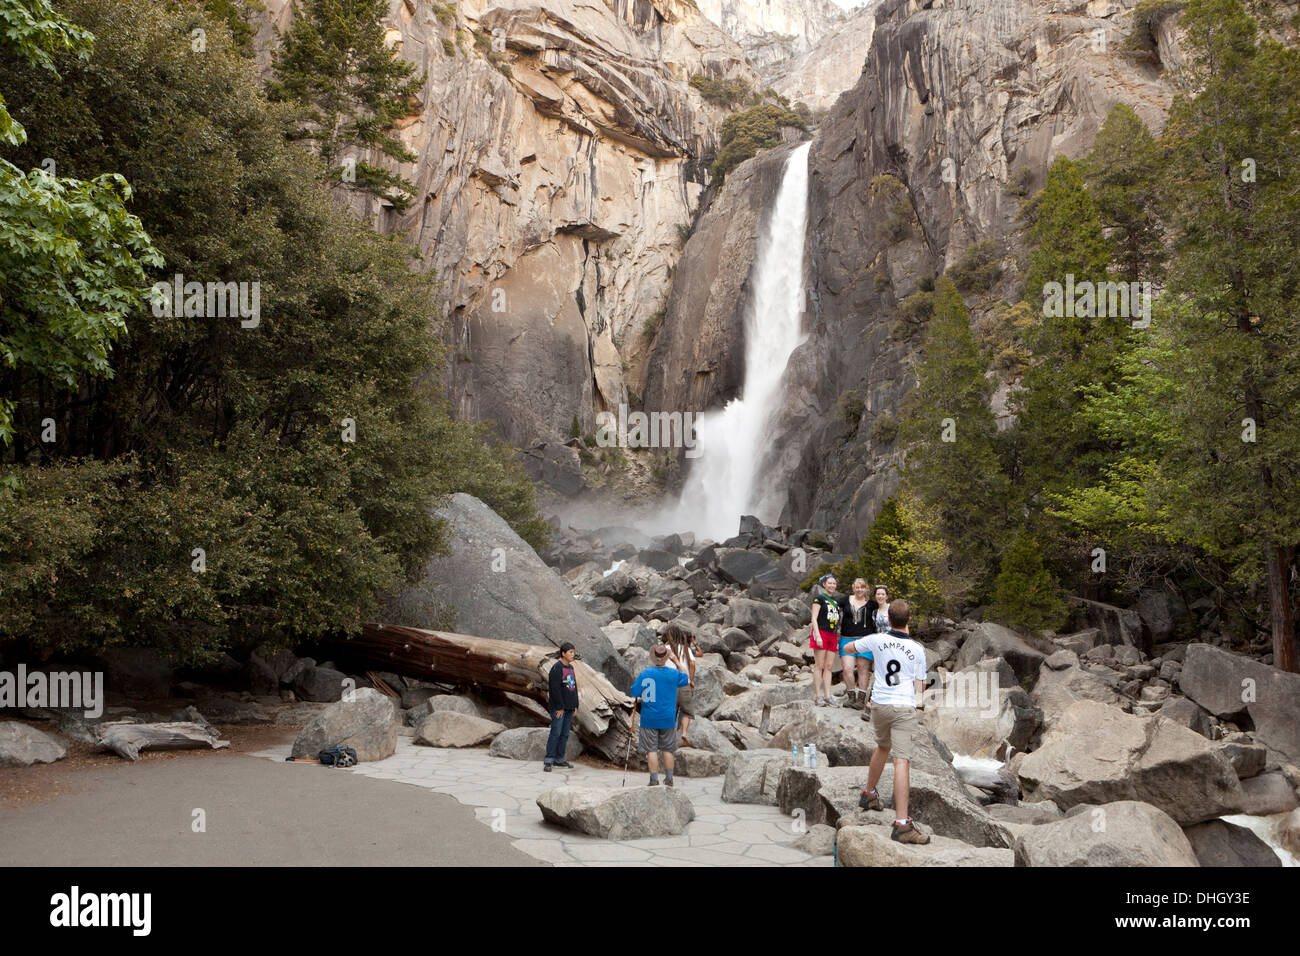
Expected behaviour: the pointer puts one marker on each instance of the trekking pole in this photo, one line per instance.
(628, 757)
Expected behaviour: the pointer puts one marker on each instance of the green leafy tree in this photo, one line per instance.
(743, 134)
(352, 90)
(71, 257)
(953, 465)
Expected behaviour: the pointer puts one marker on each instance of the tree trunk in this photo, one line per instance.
(1281, 621)
(603, 720)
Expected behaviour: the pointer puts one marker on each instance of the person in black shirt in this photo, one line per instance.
(563, 704)
(856, 620)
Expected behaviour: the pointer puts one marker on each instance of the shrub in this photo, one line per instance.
(744, 134)
(1025, 595)
(721, 92)
(978, 268)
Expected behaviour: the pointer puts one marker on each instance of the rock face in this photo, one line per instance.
(529, 743)
(446, 728)
(753, 776)
(1219, 843)
(1124, 833)
(624, 814)
(1230, 686)
(832, 65)
(773, 31)
(549, 189)
(991, 640)
(528, 602)
(367, 723)
(22, 746)
(997, 88)
(871, 846)
(1098, 754)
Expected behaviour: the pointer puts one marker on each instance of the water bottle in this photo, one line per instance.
(795, 750)
(812, 751)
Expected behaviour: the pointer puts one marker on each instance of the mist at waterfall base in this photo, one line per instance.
(725, 480)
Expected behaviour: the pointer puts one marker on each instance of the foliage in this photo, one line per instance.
(1025, 595)
(744, 134)
(721, 91)
(978, 268)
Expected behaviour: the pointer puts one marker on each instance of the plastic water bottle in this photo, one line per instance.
(812, 752)
(795, 750)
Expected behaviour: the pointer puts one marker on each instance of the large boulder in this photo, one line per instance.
(708, 692)
(753, 776)
(1098, 754)
(841, 736)
(367, 722)
(446, 728)
(319, 684)
(704, 735)
(22, 746)
(972, 721)
(754, 707)
(872, 846)
(742, 566)
(500, 588)
(617, 585)
(693, 762)
(1115, 625)
(1122, 833)
(1059, 687)
(760, 620)
(1267, 794)
(990, 640)
(1231, 686)
(529, 743)
(1219, 843)
(623, 814)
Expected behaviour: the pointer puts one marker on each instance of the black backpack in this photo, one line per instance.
(336, 756)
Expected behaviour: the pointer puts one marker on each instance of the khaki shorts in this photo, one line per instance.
(894, 727)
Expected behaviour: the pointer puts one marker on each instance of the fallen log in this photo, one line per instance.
(603, 720)
(127, 739)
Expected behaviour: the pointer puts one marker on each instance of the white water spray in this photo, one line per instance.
(724, 482)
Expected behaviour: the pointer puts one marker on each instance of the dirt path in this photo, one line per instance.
(99, 810)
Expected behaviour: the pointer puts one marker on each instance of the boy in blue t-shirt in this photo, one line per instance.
(656, 689)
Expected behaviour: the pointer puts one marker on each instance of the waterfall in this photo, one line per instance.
(723, 482)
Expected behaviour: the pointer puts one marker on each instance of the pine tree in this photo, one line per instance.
(1235, 456)
(952, 464)
(1025, 595)
(1123, 176)
(333, 62)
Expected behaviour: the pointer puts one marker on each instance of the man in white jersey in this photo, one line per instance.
(900, 679)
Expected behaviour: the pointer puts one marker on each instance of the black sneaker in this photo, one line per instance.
(563, 765)
(546, 767)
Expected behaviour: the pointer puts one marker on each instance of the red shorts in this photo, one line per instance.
(825, 641)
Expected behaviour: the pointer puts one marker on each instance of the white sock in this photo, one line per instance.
(900, 823)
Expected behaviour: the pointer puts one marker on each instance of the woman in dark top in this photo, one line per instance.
(824, 637)
(856, 620)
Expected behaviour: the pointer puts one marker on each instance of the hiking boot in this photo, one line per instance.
(908, 834)
(870, 801)
(653, 783)
(668, 781)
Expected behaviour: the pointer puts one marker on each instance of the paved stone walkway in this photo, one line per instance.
(504, 792)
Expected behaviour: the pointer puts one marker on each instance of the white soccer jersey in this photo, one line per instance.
(899, 660)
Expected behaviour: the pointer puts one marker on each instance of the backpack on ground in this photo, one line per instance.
(336, 756)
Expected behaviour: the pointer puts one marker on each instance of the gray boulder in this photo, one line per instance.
(22, 746)
(704, 735)
(367, 723)
(320, 684)
(1229, 685)
(1268, 793)
(527, 602)
(754, 706)
(1247, 759)
(694, 762)
(622, 814)
(753, 776)
(657, 559)
(1219, 843)
(872, 846)
(760, 620)
(972, 721)
(529, 743)
(1058, 688)
(1122, 833)
(990, 640)
(617, 585)
(818, 841)
(741, 566)
(446, 728)
(1098, 754)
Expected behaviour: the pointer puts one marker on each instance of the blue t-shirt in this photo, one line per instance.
(657, 688)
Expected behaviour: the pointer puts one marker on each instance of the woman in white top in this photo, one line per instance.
(682, 658)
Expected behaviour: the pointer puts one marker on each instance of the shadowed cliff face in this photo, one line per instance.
(955, 101)
(548, 201)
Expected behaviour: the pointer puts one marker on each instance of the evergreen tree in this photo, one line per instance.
(952, 464)
(1234, 140)
(1123, 176)
(1025, 595)
(352, 89)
